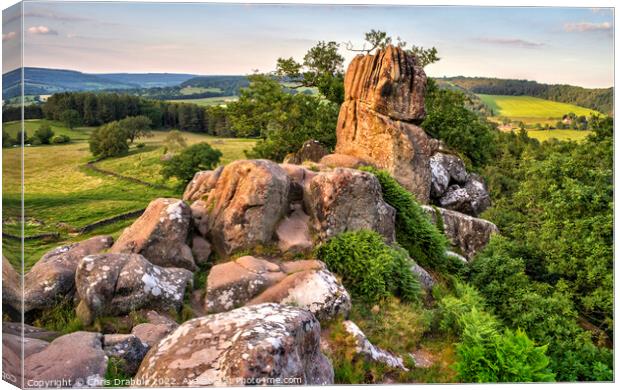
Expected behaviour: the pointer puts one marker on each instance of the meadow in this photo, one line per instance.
(62, 194)
(210, 101)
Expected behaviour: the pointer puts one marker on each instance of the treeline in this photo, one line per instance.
(14, 113)
(95, 109)
(600, 99)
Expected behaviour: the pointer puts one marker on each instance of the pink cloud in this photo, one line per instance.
(8, 36)
(42, 30)
(587, 26)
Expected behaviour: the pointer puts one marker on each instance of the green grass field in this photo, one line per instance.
(62, 195)
(193, 90)
(211, 101)
(31, 125)
(531, 108)
(562, 135)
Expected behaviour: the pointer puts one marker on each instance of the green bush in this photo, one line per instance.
(140, 145)
(60, 139)
(195, 158)
(108, 140)
(414, 231)
(370, 269)
(43, 134)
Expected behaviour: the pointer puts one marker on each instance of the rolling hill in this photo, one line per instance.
(44, 81)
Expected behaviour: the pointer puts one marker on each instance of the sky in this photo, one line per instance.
(550, 45)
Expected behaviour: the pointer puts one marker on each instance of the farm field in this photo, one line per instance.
(530, 109)
(210, 101)
(63, 195)
(561, 135)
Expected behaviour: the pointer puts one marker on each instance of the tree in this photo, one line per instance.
(71, 118)
(175, 141)
(44, 133)
(108, 140)
(322, 68)
(136, 127)
(424, 56)
(377, 39)
(195, 158)
(7, 140)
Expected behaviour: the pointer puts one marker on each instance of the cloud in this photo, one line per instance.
(42, 30)
(511, 42)
(55, 16)
(587, 27)
(8, 36)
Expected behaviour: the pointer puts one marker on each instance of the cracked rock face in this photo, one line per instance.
(346, 199)
(202, 183)
(250, 280)
(446, 169)
(311, 150)
(160, 235)
(243, 208)
(73, 360)
(11, 287)
(53, 277)
(258, 344)
(465, 232)
(115, 284)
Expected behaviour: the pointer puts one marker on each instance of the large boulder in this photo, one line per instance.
(293, 232)
(465, 232)
(160, 235)
(261, 344)
(368, 351)
(73, 360)
(384, 99)
(117, 283)
(244, 207)
(338, 160)
(53, 277)
(249, 280)
(11, 287)
(311, 150)
(346, 199)
(157, 327)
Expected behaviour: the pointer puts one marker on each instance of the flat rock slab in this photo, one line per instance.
(261, 344)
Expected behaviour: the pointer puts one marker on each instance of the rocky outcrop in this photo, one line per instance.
(465, 232)
(244, 207)
(368, 351)
(11, 287)
(345, 199)
(311, 150)
(384, 98)
(249, 280)
(160, 235)
(115, 284)
(261, 344)
(455, 189)
(73, 360)
(337, 160)
(52, 278)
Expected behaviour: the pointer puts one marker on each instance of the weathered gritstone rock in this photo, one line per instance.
(369, 351)
(243, 208)
(115, 284)
(250, 280)
(29, 331)
(389, 82)
(345, 199)
(311, 150)
(11, 287)
(298, 176)
(342, 161)
(426, 280)
(126, 347)
(202, 183)
(160, 235)
(157, 327)
(53, 277)
(464, 231)
(384, 97)
(201, 250)
(293, 232)
(73, 360)
(260, 344)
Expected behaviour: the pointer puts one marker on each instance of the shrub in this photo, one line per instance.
(140, 145)
(7, 140)
(414, 231)
(184, 165)
(60, 139)
(108, 140)
(44, 133)
(370, 269)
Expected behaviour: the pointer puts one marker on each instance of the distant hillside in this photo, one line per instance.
(228, 85)
(600, 99)
(44, 81)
